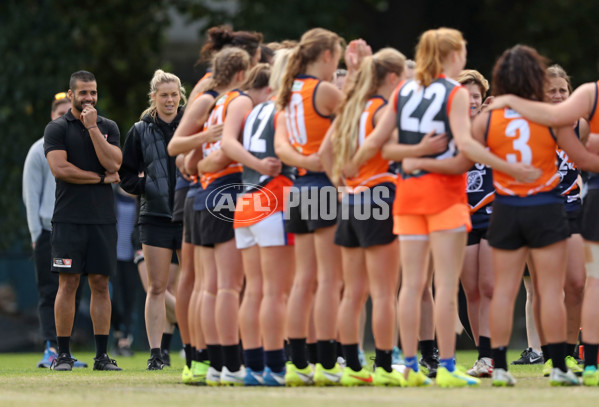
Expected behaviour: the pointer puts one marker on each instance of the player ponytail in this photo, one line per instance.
(371, 75)
(433, 48)
(312, 44)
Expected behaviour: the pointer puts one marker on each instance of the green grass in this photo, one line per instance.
(21, 384)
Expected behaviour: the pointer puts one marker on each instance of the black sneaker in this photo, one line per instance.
(529, 357)
(63, 363)
(431, 364)
(166, 357)
(155, 363)
(105, 363)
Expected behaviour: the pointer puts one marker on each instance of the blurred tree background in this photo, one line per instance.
(123, 42)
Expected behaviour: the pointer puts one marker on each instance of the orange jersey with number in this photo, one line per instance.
(217, 116)
(518, 140)
(305, 125)
(376, 170)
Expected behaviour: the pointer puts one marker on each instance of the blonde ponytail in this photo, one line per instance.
(370, 76)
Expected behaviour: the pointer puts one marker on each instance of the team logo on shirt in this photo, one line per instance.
(62, 263)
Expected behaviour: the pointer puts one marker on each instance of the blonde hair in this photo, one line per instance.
(257, 77)
(556, 71)
(313, 43)
(160, 77)
(278, 68)
(371, 75)
(225, 65)
(472, 76)
(433, 48)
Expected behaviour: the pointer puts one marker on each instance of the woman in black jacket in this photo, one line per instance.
(148, 171)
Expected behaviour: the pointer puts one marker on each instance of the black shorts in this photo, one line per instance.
(476, 235)
(167, 235)
(210, 229)
(188, 215)
(589, 224)
(574, 221)
(84, 249)
(179, 204)
(365, 225)
(512, 227)
(313, 208)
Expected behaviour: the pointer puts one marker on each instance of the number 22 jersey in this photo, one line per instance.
(420, 110)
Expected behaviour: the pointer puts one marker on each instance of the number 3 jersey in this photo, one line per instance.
(518, 140)
(420, 110)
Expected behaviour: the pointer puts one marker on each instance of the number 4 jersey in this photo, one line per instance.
(420, 110)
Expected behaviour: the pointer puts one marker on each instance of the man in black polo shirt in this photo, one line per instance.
(83, 151)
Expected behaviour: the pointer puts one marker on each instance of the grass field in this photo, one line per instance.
(21, 384)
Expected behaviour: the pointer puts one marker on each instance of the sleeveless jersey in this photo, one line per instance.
(593, 178)
(515, 139)
(568, 173)
(376, 170)
(420, 110)
(217, 116)
(305, 125)
(258, 139)
(481, 193)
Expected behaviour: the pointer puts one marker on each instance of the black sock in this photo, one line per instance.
(231, 357)
(275, 360)
(193, 353)
(339, 349)
(299, 354)
(254, 359)
(201, 355)
(312, 353)
(215, 357)
(484, 347)
(557, 353)
(382, 358)
(189, 354)
(545, 350)
(64, 345)
(327, 353)
(500, 357)
(101, 344)
(570, 349)
(166, 341)
(590, 354)
(287, 348)
(350, 353)
(155, 353)
(427, 348)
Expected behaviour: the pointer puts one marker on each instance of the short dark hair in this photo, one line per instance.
(520, 71)
(83, 76)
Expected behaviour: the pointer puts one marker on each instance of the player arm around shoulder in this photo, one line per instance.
(461, 127)
(579, 104)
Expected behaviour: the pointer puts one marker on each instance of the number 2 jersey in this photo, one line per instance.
(420, 110)
(518, 140)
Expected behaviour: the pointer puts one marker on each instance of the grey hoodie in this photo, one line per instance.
(39, 189)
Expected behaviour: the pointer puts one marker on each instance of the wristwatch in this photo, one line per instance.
(102, 176)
